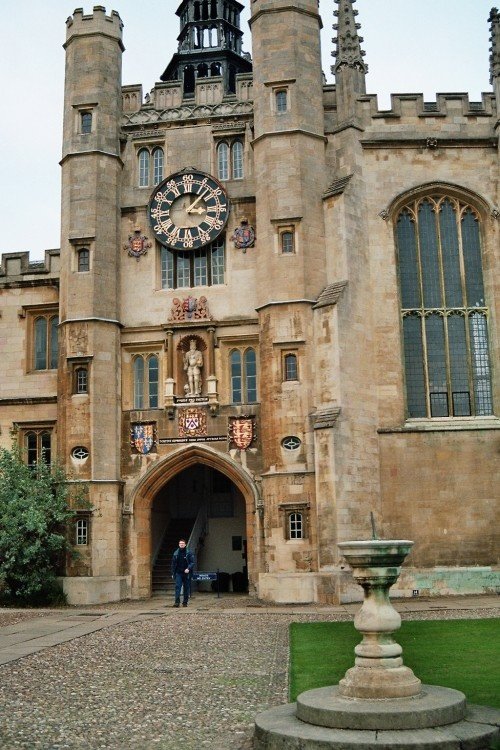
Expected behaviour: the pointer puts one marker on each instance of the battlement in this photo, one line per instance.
(17, 267)
(97, 22)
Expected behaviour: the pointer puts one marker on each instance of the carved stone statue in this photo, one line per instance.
(193, 363)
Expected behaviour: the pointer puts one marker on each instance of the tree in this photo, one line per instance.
(34, 514)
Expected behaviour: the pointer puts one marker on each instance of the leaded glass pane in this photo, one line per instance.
(223, 161)
(45, 454)
(54, 323)
(82, 380)
(31, 448)
(183, 270)
(472, 260)
(158, 165)
(459, 375)
(251, 376)
(153, 382)
(295, 526)
(414, 367)
(450, 253)
(200, 267)
(291, 367)
(237, 160)
(41, 344)
(143, 168)
(408, 261)
(281, 101)
(167, 268)
(481, 374)
(436, 365)
(429, 255)
(138, 383)
(218, 261)
(235, 364)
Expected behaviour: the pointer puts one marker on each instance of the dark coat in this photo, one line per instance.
(189, 558)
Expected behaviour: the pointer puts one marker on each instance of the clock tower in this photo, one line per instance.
(210, 45)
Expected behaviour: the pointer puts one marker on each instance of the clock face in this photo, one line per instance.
(188, 210)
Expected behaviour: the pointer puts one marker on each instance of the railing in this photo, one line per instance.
(198, 530)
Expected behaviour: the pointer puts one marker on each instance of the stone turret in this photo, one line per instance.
(89, 351)
(349, 68)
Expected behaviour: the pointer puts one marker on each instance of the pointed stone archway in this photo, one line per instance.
(156, 478)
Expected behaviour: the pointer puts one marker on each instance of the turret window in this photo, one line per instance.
(83, 259)
(444, 312)
(85, 122)
(281, 101)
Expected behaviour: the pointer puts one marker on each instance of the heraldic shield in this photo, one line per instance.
(142, 437)
(242, 432)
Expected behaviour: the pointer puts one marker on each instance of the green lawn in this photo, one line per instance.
(460, 654)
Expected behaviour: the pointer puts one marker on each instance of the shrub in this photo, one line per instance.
(34, 513)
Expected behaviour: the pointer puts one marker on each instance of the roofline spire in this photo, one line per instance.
(348, 52)
(494, 20)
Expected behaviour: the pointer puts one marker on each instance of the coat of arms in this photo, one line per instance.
(190, 308)
(243, 236)
(192, 422)
(241, 432)
(138, 244)
(142, 437)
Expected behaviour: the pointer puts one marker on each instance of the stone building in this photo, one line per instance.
(275, 311)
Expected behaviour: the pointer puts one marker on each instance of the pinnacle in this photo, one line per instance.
(494, 19)
(348, 52)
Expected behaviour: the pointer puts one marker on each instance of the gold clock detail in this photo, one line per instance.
(188, 210)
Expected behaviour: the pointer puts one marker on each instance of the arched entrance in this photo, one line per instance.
(195, 484)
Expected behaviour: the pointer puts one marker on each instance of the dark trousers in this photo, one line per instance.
(182, 581)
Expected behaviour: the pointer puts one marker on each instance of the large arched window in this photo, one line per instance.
(444, 313)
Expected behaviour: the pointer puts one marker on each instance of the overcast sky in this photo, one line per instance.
(423, 46)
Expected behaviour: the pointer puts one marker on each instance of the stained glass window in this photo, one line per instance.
(445, 318)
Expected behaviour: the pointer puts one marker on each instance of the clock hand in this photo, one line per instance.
(191, 207)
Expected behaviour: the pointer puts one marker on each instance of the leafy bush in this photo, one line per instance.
(34, 513)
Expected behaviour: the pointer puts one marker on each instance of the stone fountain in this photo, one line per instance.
(379, 703)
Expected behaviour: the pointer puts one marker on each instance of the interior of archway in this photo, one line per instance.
(204, 506)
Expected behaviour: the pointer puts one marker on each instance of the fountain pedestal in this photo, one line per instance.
(379, 703)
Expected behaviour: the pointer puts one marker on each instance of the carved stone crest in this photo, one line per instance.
(192, 422)
(190, 308)
(243, 236)
(241, 432)
(138, 244)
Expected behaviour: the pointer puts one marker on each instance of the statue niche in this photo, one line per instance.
(191, 350)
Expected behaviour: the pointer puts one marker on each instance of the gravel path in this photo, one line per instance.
(188, 680)
(178, 680)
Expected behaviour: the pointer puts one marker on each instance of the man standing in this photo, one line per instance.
(182, 570)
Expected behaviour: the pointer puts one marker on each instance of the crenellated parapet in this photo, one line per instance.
(97, 22)
(17, 269)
